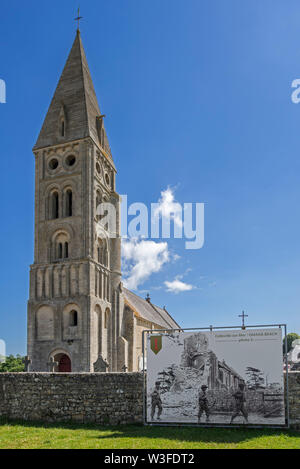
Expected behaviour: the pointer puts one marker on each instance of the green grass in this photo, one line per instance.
(20, 435)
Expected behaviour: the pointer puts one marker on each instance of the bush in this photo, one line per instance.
(12, 365)
(290, 339)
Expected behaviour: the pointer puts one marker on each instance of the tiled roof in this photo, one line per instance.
(149, 311)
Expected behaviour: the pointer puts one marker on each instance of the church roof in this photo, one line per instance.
(76, 100)
(149, 311)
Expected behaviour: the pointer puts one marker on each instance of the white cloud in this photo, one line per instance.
(176, 257)
(141, 259)
(177, 286)
(169, 208)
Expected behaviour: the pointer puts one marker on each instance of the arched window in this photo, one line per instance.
(99, 251)
(106, 319)
(69, 203)
(102, 253)
(61, 244)
(63, 128)
(73, 318)
(98, 202)
(54, 205)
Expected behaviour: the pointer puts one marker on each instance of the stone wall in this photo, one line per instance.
(294, 399)
(103, 398)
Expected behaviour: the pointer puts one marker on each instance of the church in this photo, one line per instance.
(80, 316)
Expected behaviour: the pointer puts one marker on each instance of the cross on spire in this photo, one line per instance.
(78, 19)
(243, 316)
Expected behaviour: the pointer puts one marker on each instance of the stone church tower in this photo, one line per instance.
(80, 318)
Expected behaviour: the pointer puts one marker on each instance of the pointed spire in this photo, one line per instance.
(74, 111)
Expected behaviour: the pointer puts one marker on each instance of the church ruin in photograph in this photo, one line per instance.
(197, 356)
(80, 317)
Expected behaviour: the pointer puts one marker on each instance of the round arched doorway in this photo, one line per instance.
(63, 363)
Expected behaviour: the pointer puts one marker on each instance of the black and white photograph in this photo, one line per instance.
(228, 377)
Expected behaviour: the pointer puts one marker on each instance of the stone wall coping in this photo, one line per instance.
(31, 373)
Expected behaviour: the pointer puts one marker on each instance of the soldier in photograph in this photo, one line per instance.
(203, 404)
(156, 402)
(240, 400)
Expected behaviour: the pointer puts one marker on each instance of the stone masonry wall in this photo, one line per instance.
(294, 399)
(103, 398)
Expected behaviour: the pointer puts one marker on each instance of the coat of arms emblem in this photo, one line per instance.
(156, 343)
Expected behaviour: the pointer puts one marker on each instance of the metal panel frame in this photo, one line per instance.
(211, 328)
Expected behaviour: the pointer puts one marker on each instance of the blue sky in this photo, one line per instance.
(198, 97)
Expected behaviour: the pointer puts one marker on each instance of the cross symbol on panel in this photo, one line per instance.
(243, 316)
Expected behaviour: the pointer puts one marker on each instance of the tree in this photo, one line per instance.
(290, 339)
(255, 378)
(12, 365)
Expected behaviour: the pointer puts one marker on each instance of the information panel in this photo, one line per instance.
(218, 377)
